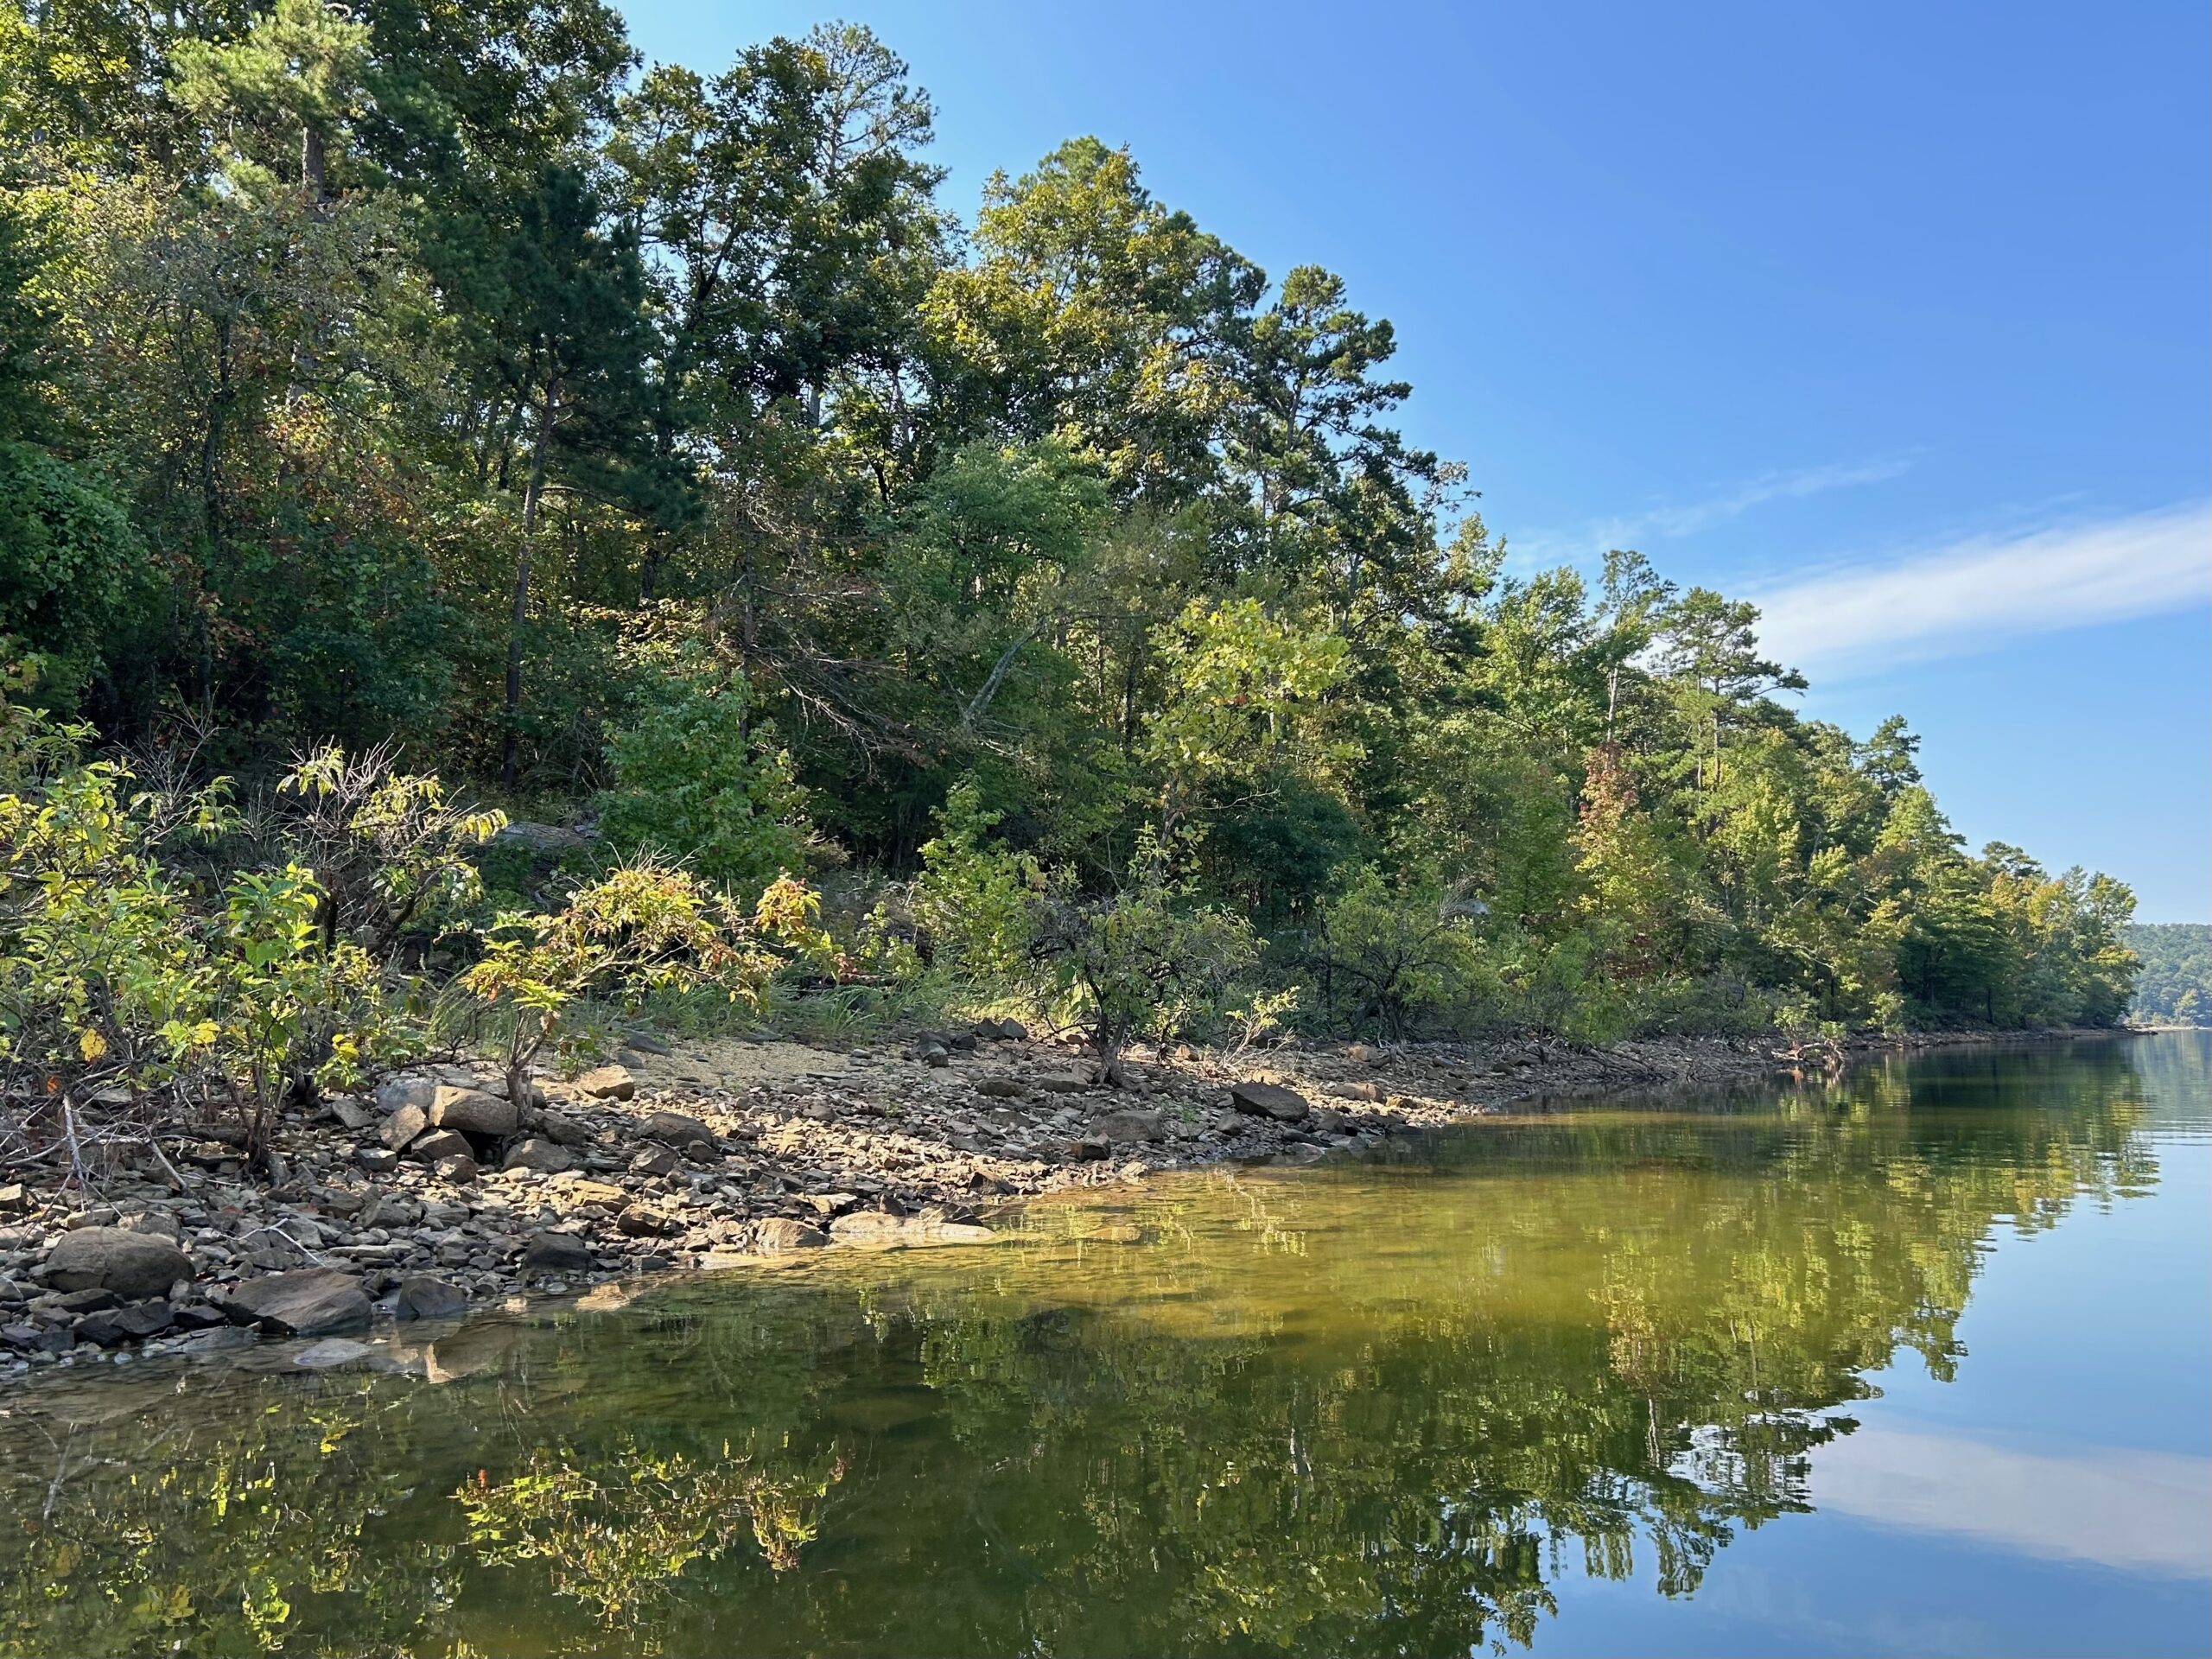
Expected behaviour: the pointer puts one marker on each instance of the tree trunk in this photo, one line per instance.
(532, 492)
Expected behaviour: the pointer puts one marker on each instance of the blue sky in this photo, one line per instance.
(1893, 317)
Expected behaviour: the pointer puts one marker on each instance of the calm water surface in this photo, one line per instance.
(1918, 1362)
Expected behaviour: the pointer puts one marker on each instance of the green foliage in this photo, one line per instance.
(385, 376)
(2176, 987)
(977, 899)
(1145, 960)
(118, 974)
(1393, 962)
(644, 928)
(695, 779)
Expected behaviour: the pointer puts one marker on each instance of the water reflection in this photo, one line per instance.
(1403, 1406)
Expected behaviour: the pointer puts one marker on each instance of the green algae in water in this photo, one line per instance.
(1685, 1374)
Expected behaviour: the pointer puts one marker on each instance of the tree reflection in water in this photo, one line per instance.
(1366, 1407)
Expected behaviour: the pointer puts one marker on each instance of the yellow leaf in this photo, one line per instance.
(91, 1046)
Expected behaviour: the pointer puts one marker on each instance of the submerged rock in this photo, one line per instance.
(331, 1352)
(872, 1230)
(422, 1297)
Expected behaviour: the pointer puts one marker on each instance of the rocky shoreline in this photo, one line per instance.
(436, 1195)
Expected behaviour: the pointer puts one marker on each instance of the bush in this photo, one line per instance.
(976, 899)
(695, 782)
(117, 980)
(1392, 961)
(1143, 961)
(647, 927)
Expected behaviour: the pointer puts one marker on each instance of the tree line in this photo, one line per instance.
(661, 452)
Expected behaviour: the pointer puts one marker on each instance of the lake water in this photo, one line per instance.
(1917, 1362)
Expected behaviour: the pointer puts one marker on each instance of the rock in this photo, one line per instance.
(1369, 1091)
(780, 1233)
(1360, 1053)
(331, 1352)
(677, 1129)
(14, 1197)
(395, 1094)
(456, 1168)
(422, 1297)
(1124, 1128)
(133, 1265)
(641, 1221)
(872, 1229)
(658, 1161)
(304, 1303)
(1089, 1148)
(375, 1160)
(936, 1057)
(595, 1193)
(27, 1338)
(551, 1252)
(198, 1317)
(1268, 1100)
(125, 1324)
(1000, 1088)
(441, 1143)
(158, 1223)
(561, 1129)
(79, 1301)
(471, 1111)
(543, 1156)
(1009, 1031)
(403, 1125)
(1063, 1083)
(271, 1252)
(351, 1113)
(541, 840)
(608, 1083)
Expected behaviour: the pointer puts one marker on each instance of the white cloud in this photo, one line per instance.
(1541, 549)
(2141, 1512)
(1970, 595)
(1689, 520)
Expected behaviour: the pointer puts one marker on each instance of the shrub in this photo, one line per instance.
(1394, 961)
(645, 927)
(694, 781)
(976, 899)
(1143, 961)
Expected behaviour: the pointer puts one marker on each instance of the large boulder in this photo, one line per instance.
(471, 1111)
(133, 1265)
(1268, 1100)
(677, 1130)
(780, 1233)
(608, 1083)
(1123, 1128)
(441, 1143)
(422, 1297)
(393, 1093)
(543, 1156)
(551, 1252)
(403, 1126)
(304, 1303)
(561, 1129)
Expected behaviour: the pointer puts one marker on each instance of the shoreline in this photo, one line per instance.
(433, 1197)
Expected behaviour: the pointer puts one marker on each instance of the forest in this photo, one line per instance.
(2175, 982)
(471, 502)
